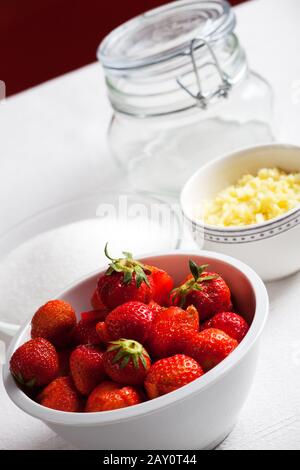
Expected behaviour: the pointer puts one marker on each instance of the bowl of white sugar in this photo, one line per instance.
(44, 254)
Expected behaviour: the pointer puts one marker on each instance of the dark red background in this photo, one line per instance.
(41, 39)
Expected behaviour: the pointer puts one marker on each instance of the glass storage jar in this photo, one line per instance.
(182, 93)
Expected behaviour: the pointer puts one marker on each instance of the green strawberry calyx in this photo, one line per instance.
(128, 350)
(194, 283)
(128, 266)
(19, 378)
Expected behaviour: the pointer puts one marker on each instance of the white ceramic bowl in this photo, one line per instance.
(270, 248)
(197, 416)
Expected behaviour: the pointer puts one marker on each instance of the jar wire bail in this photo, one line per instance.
(202, 100)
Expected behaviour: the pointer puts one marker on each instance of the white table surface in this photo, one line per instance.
(53, 149)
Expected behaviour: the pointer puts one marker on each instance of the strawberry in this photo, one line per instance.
(130, 320)
(155, 307)
(178, 315)
(231, 323)
(102, 332)
(126, 279)
(60, 395)
(96, 302)
(126, 362)
(35, 363)
(99, 315)
(54, 321)
(85, 332)
(210, 347)
(207, 291)
(86, 365)
(162, 285)
(111, 396)
(170, 374)
(170, 330)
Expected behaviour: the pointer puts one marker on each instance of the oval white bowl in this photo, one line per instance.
(270, 248)
(197, 416)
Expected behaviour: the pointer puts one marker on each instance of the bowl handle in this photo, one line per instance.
(9, 329)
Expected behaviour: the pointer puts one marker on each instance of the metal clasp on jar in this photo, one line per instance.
(222, 91)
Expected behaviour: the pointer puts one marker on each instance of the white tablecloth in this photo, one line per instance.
(53, 148)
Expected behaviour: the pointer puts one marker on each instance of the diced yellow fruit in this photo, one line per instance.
(254, 199)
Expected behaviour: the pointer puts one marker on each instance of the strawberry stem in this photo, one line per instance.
(128, 350)
(106, 252)
(128, 266)
(196, 270)
(19, 378)
(192, 284)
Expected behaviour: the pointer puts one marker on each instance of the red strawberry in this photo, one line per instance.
(96, 302)
(86, 364)
(155, 307)
(35, 363)
(126, 279)
(131, 320)
(170, 374)
(60, 395)
(102, 332)
(210, 347)
(111, 396)
(54, 321)
(190, 316)
(85, 332)
(162, 285)
(170, 330)
(167, 340)
(99, 315)
(231, 323)
(126, 362)
(207, 291)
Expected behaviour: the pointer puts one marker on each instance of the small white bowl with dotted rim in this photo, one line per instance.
(271, 248)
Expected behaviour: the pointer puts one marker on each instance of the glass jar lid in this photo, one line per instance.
(178, 57)
(164, 33)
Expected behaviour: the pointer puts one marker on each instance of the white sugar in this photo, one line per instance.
(40, 268)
